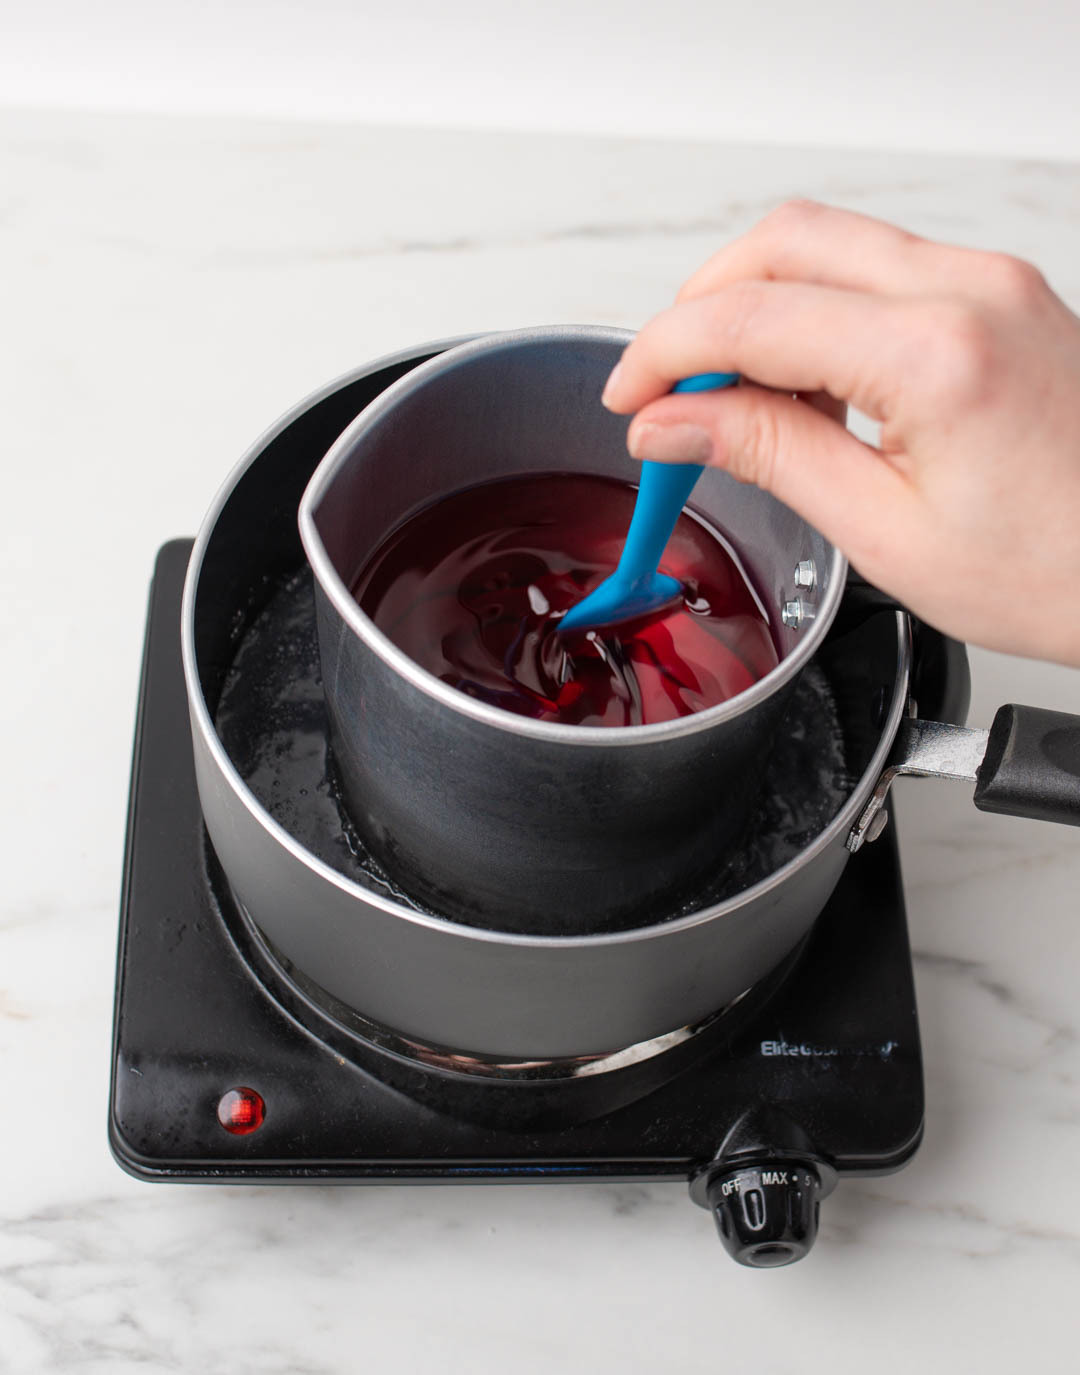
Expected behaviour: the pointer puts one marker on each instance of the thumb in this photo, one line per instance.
(806, 459)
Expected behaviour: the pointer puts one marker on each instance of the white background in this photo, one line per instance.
(992, 76)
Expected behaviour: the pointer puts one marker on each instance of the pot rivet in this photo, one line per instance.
(880, 821)
(806, 573)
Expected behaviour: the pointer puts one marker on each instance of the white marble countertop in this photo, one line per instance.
(167, 289)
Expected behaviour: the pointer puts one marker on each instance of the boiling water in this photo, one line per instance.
(272, 722)
(472, 589)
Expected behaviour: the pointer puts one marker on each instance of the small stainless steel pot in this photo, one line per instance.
(492, 817)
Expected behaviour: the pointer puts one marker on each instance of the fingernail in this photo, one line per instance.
(611, 384)
(670, 443)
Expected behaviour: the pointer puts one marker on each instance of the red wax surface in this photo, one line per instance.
(472, 588)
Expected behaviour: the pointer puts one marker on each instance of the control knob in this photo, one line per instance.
(766, 1212)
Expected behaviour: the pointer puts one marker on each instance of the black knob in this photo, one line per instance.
(767, 1214)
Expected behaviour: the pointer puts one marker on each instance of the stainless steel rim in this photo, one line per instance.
(201, 721)
(362, 625)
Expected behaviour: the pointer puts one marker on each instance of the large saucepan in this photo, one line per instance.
(517, 997)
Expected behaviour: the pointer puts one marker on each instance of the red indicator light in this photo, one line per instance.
(241, 1111)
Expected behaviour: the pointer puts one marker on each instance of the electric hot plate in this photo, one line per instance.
(228, 1068)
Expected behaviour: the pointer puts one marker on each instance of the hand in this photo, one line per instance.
(968, 511)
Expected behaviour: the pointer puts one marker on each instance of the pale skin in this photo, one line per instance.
(969, 510)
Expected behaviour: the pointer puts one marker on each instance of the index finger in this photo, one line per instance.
(825, 246)
(786, 335)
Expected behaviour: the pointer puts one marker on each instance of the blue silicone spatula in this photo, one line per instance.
(636, 588)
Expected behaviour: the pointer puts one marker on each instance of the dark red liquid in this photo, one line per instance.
(472, 589)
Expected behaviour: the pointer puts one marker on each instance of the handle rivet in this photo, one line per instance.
(877, 826)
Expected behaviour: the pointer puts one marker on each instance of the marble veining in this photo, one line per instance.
(169, 287)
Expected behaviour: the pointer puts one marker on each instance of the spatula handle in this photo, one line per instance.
(707, 381)
(665, 490)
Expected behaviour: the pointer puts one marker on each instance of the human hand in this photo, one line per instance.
(969, 510)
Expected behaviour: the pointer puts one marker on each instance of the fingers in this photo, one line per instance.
(828, 405)
(806, 242)
(786, 335)
(804, 458)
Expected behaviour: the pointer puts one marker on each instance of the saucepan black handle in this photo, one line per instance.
(1032, 765)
